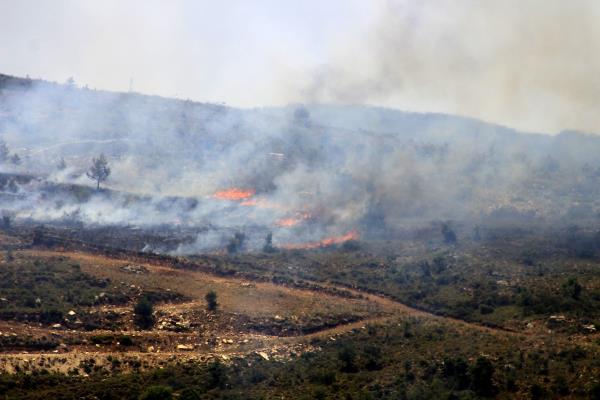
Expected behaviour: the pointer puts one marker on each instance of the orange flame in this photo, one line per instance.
(249, 203)
(234, 194)
(352, 235)
(293, 221)
(287, 222)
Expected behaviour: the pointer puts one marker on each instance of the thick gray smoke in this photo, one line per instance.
(530, 64)
(302, 172)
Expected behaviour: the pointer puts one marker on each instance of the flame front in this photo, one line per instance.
(287, 222)
(330, 241)
(234, 194)
(293, 221)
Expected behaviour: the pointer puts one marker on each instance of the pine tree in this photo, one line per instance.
(99, 171)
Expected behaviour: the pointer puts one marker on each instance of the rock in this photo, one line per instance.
(150, 349)
(263, 355)
(135, 269)
(71, 313)
(57, 326)
(279, 318)
(185, 347)
(590, 328)
(556, 320)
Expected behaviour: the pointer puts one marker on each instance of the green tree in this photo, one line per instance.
(449, 235)
(347, 356)
(572, 289)
(191, 393)
(211, 301)
(268, 247)
(6, 221)
(217, 375)
(482, 374)
(144, 313)
(99, 171)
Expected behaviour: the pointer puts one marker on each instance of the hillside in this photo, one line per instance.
(307, 171)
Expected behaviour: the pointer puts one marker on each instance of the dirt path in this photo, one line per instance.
(197, 348)
(395, 307)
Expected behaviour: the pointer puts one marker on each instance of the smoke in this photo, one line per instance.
(326, 171)
(528, 64)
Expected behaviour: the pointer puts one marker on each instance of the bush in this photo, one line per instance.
(322, 376)
(537, 392)
(211, 301)
(126, 341)
(157, 393)
(216, 372)
(595, 392)
(268, 247)
(144, 313)
(347, 356)
(190, 393)
(236, 243)
(572, 289)
(351, 245)
(457, 370)
(6, 222)
(449, 235)
(482, 377)
(485, 309)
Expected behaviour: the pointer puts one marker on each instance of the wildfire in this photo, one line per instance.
(293, 221)
(330, 241)
(249, 203)
(287, 222)
(234, 194)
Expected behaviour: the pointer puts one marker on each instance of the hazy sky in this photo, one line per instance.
(531, 64)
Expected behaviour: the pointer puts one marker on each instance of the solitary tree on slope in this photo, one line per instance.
(99, 171)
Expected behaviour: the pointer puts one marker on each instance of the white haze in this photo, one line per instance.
(338, 169)
(530, 64)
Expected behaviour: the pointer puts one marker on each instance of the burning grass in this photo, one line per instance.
(326, 242)
(234, 194)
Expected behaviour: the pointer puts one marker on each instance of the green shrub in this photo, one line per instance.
(144, 313)
(211, 301)
(157, 393)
